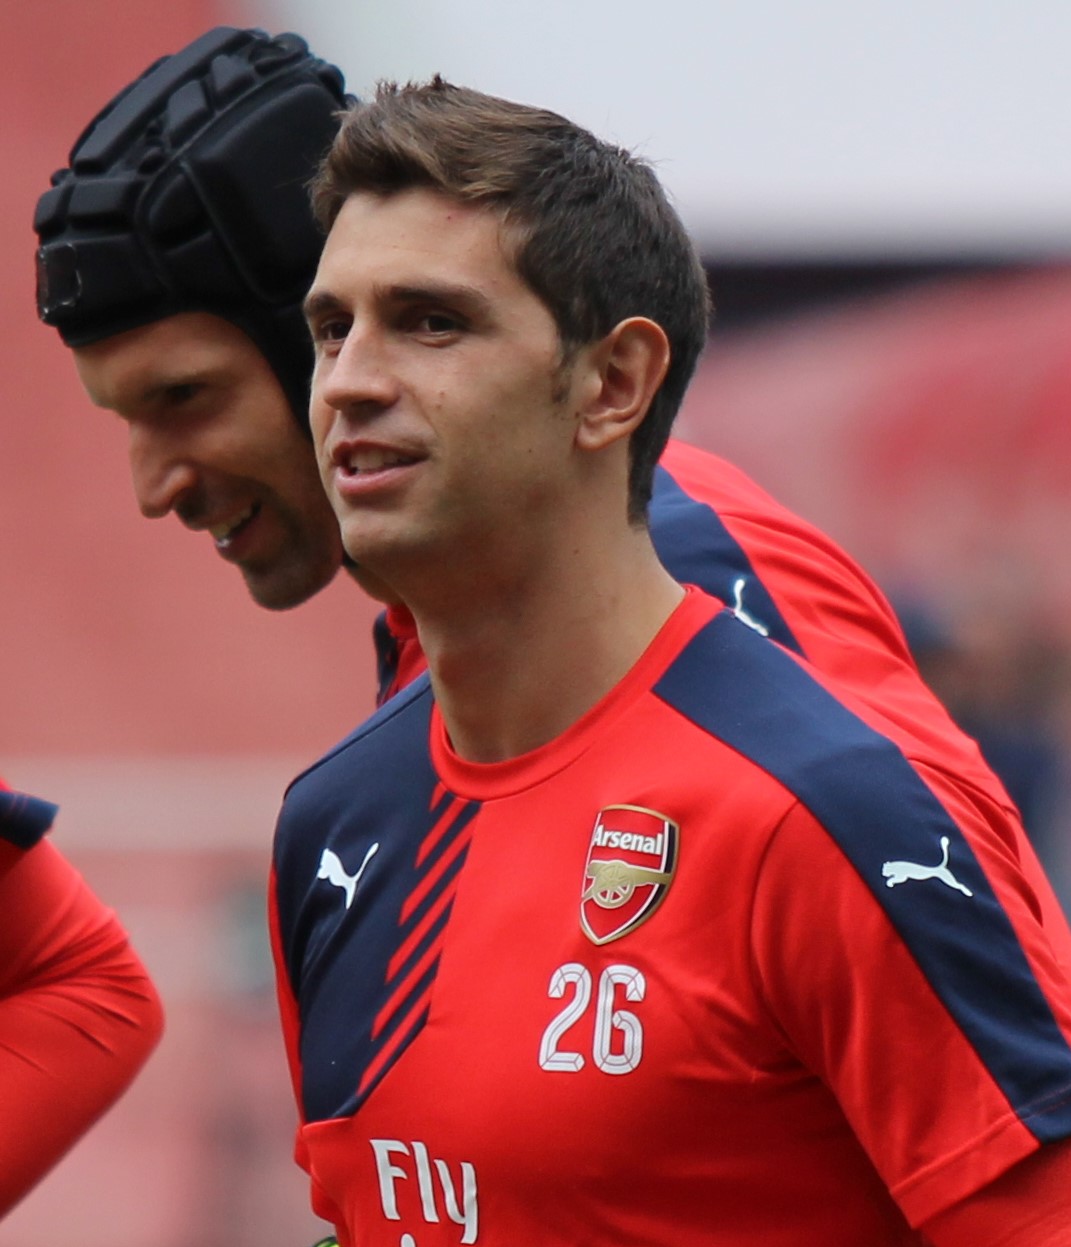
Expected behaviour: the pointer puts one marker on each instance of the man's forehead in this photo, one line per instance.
(134, 365)
(414, 240)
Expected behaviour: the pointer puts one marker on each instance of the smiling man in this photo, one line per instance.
(628, 963)
(175, 251)
(212, 439)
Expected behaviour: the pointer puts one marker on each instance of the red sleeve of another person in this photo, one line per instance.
(78, 1013)
(840, 619)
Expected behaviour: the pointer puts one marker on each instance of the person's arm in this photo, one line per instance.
(932, 1007)
(78, 1013)
(716, 528)
(1028, 1206)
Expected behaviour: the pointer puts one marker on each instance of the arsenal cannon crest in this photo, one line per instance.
(630, 865)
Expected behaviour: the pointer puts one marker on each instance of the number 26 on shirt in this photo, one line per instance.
(617, 1040)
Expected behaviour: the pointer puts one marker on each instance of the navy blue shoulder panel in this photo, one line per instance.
(416, 691)
(863, 791)
(24, 819)
(697, 549)
(368, 850)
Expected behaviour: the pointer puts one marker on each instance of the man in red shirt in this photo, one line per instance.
(626, 924)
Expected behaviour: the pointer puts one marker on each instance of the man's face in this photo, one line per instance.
(212, 438)
(440, 407)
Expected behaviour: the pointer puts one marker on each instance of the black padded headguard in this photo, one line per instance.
(188, 193)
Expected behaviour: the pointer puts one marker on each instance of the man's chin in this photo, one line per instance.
(283, 590)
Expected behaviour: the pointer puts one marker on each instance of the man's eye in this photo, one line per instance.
(331, 331)
(438, 323)
(182, 392)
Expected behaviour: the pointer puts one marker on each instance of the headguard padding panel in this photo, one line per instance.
(188, 192)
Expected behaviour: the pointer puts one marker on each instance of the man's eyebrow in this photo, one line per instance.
(144, 394)
(471, 298)
(452, 293)
(161, 386)
(317, 302)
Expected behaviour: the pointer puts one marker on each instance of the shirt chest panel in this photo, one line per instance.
(613, 1066)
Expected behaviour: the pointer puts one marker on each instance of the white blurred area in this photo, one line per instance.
(830, 128)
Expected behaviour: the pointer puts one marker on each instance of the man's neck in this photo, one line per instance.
(513, 670)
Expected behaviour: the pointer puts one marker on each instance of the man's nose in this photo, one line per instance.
(161, 475)
(361, 374)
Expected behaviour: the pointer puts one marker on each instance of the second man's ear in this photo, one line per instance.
(627, 367)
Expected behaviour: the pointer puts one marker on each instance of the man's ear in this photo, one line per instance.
(626, 368)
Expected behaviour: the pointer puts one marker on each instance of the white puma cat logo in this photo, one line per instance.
(901, 872)
(333, 871)
(741, 614)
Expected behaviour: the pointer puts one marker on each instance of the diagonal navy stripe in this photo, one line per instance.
(866, 795)
(362, 974)
(697, 549)
(420, 927)
(376, 1051)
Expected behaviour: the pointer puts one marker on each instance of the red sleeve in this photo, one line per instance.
(878, 1026)
(824, 595)
(78, 1013)
(1029, 1206)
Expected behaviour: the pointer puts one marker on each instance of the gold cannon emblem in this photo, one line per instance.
(613, 883)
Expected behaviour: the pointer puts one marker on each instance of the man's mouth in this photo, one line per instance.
(373, 459)
(225, 534)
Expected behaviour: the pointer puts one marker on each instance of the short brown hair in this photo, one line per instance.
(596, 238)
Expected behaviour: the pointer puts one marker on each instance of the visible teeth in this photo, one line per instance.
(375, 460)
(221, 532)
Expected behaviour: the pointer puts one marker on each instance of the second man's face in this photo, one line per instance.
(440, 410)
(213, 440)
